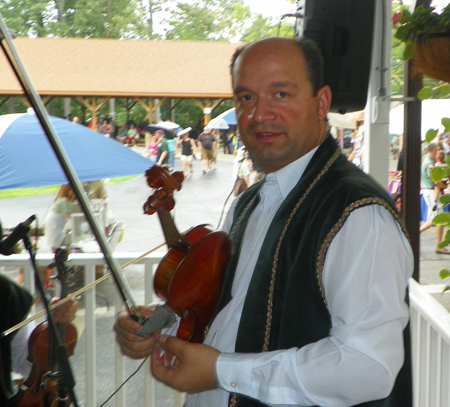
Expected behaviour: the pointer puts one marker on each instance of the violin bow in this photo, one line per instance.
(39, 108)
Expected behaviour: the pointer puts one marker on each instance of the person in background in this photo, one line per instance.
(171, 147)
(188, 149)
(132, 135)
(207, 143)
(162, 157)
(152, 148)
(428, 192)
(121, 136)
(15, 303)
(106, 128)
(93, 125)
(313, 310)
(59, 215)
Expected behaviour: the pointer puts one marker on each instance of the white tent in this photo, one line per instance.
(433, 111)
(341, 121)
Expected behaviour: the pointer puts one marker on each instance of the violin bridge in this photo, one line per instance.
(161, 318)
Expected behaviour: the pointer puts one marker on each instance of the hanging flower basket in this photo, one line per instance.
(432, 54)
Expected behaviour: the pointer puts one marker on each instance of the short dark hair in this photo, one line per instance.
(313, 57)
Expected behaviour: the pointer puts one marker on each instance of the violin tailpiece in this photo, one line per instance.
(162, 317)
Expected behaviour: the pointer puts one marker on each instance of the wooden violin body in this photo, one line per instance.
(190, 276)
(191, 281)
(41, 387)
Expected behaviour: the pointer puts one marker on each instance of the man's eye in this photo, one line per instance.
(281, 95)
(245, 98)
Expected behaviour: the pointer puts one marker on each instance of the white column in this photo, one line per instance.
(376, 137)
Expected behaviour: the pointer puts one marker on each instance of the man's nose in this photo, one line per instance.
(262, 112)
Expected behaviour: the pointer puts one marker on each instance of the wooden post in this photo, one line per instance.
(412, 142)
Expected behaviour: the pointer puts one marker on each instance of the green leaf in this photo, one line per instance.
(442, 219)
(443, 244)
(425, 93)
(446, 288)
(408, 52)
(444, 90)
(446, 123)
(438, 173)
(444, 273)
(431, 135)
(444, 200)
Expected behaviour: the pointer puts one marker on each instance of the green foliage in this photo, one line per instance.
(430, 135)
(423, 20)
(445, 121)
(425, 93)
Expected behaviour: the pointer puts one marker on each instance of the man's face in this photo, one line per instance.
(279, 119)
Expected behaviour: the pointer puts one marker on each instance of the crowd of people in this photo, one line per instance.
(431, 189)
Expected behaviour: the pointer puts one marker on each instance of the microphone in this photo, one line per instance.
(20, 231)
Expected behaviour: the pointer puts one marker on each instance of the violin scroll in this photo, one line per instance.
(165, 184)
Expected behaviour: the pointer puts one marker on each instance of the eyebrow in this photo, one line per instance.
(273, 85)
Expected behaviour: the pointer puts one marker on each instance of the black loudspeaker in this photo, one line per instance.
(343, 29)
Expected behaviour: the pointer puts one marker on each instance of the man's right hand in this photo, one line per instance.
(131, 344)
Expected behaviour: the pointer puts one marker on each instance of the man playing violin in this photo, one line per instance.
(313, 308)
(15, 304)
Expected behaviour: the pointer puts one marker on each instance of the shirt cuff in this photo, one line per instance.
(234, 371)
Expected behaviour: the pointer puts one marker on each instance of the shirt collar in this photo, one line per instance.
(288, 176)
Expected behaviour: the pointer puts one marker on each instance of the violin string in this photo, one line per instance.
(125, 382)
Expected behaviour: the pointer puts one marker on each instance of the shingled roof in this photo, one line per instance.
(69, 67)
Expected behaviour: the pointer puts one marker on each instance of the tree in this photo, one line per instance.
(203, 20)
(263, 27)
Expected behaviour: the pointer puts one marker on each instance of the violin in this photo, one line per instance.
(42, 387)
(189, 277)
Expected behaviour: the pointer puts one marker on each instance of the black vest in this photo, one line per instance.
(15, 304)
(285, 304)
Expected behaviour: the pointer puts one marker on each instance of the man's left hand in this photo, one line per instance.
(64, 313)
(184, 366)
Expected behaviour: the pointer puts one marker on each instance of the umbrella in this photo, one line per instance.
(28, 160)
(229, 116)
(169, 125)
(217, 123)
(154, 127)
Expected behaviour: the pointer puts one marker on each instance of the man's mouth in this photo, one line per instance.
(266, 136)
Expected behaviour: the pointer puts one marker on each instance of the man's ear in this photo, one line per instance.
(324, 101)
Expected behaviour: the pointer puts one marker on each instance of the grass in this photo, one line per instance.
(14, 193)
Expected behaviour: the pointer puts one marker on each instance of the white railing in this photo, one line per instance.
(430, 329)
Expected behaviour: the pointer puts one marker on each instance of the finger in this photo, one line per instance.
(172, 344)
(159, 367)
(126, 323)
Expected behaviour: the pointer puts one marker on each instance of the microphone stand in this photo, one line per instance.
(64, 377)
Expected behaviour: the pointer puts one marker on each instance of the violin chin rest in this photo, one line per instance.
(161, 318)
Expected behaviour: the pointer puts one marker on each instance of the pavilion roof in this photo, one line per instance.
(70, 67)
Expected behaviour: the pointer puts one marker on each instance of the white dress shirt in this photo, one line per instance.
(365, 275)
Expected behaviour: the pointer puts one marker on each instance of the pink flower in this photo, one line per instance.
(396, 17)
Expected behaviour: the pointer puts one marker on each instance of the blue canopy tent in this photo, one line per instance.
(229, 116)
(28, 160)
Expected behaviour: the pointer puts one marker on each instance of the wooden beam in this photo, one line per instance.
(150, 107)
(412, 143)
(93, 107)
